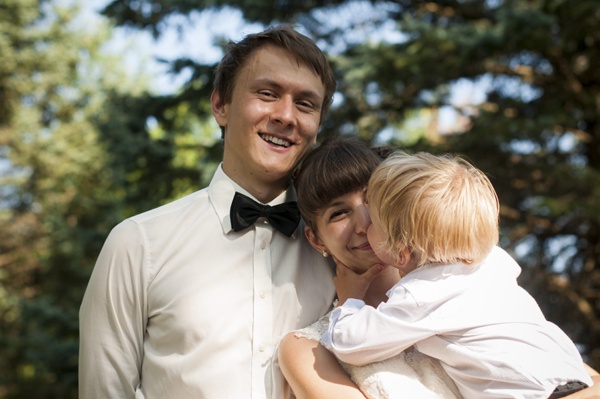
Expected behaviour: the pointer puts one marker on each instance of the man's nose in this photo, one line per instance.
(284, 111)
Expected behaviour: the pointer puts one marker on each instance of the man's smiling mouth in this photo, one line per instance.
(275, 140)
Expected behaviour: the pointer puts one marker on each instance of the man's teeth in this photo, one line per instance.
(275, 140)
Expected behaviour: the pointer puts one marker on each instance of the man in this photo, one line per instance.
(190, 299)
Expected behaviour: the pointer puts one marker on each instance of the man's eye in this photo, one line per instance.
(305, 104)
(266, 93)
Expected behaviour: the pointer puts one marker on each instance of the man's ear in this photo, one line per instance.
(219, 108)
(313, 239)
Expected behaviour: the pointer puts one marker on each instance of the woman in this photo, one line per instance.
(331, 194)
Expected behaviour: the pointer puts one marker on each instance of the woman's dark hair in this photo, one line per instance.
(339, 166)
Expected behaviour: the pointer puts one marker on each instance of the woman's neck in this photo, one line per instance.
(381, 285)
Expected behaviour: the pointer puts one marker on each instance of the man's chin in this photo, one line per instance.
(281, 165)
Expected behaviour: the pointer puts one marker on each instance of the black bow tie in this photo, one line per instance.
(244, 212)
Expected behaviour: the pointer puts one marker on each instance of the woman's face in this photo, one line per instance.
(342, 231)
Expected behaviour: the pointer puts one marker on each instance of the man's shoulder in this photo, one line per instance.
(190, 202)
(161, 222)
(163, 218)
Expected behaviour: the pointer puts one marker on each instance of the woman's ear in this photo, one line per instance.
(313, 239)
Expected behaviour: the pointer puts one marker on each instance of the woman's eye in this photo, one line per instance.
(335, 215)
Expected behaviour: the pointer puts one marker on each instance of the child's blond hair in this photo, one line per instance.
(441, 208)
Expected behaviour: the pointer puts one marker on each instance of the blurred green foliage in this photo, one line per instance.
(83, 144)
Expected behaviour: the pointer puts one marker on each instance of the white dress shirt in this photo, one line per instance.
(180, 306)
(488, 332)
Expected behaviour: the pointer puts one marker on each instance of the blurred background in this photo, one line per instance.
(105, 113)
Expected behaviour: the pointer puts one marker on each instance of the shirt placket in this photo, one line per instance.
(262, 329)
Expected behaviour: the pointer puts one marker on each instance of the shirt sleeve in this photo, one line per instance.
(112, 318)
(359, 334)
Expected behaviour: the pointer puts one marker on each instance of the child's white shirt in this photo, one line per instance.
(489, 333)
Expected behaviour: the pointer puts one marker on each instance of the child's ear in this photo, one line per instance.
(405, 262)
(313, 239)
(404, 257)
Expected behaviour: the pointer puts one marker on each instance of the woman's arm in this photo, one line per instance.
(313, 372)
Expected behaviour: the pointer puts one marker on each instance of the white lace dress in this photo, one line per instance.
(409, 375)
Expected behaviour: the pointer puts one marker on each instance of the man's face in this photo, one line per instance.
(272, 120)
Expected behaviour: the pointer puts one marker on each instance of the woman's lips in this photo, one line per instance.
(364, 247)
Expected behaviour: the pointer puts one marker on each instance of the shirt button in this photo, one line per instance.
(263, 245)
(261, 348)
(262, 294)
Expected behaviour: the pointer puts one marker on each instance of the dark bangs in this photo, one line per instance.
(337, 167)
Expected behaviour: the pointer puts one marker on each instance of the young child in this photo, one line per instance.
(436, 220)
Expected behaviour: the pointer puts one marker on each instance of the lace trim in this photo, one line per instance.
(316, 330)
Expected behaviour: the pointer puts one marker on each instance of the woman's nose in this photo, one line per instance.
(363, 219)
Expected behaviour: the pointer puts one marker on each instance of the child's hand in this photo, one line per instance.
(350, 284)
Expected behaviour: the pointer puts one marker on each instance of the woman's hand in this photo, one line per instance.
(592, 392)
(350, 284)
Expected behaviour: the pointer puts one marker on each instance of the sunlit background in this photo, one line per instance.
(104, 114)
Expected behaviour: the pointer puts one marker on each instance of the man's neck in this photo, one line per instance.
(263, 191)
